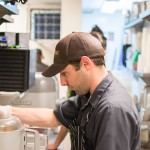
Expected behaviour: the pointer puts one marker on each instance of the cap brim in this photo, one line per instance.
(53, 70)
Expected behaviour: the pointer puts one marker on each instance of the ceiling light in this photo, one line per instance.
(109, 6)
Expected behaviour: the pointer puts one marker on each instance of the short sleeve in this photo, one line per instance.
(67, 111)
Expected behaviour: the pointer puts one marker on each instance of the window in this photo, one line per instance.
(45, 24)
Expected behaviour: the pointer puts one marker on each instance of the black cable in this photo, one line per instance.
(22, 1)
(12, 2)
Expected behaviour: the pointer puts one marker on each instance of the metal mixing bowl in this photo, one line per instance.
(10, 124)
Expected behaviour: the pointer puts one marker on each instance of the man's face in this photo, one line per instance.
(76, 80)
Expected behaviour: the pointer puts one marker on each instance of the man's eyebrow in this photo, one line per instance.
(63, 72)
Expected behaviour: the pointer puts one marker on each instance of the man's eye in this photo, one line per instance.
(64, 74)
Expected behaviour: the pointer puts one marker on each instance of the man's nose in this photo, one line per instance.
(63, 81)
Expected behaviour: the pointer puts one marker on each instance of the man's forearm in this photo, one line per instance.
(41, 117)
(61, 135)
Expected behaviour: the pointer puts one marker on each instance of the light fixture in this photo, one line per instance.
(110, 6)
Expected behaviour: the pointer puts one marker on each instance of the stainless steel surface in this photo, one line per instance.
(43, 93)
(13, 135)
(10, 124)
(43, 134)
(13, 140)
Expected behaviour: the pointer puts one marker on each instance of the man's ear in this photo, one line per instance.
(85, 61)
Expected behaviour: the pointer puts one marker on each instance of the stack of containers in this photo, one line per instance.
(144, 57)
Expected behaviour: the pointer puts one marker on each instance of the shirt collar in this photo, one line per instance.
(101, 88)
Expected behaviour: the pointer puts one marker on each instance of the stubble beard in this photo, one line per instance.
(83, 86)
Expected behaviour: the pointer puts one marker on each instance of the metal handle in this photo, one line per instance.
(36, 138)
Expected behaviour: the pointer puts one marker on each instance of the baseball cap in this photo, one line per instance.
(73, 47)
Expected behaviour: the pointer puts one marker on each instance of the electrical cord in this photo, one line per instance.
(12, 2)
(22, 1)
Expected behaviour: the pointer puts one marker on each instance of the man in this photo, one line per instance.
(102, 116)
(98, 33)
(40, 66)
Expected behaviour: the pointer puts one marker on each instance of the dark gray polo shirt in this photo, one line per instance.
(114, 123)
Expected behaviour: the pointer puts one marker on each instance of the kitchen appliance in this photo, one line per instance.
(43, 94)
(17, 69)
(43, 138)
(11, 38)
(13, 135)
(3, 42)
(14, 40)
(22, 40)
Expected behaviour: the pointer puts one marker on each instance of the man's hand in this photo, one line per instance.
(5, 112)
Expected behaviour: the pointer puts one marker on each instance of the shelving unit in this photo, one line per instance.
(6, 10)
(145, 15)
(145, 77)
(6, 18)
(137, 24)
(139, 21)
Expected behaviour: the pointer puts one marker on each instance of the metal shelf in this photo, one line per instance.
(8, 9)
(139, 21)
(6, 18)
(145, 15)
(144, 76)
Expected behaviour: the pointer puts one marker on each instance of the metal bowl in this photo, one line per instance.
(10, 124)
